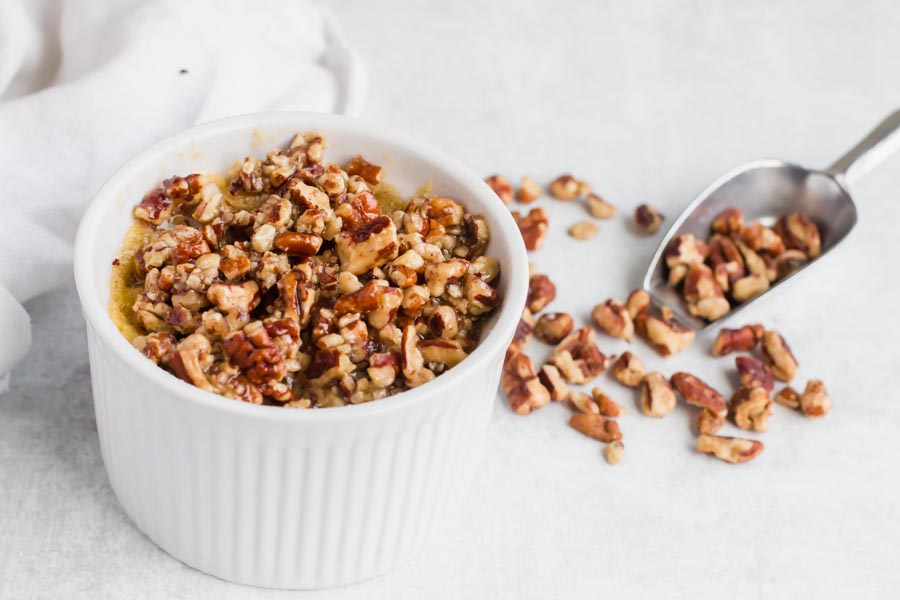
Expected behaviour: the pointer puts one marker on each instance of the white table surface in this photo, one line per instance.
(649, 102)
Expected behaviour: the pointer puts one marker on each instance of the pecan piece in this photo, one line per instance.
(554, 382)
(729, 221)
(600, 208)
(799, 233)
(709, 422)
(370, 245)
(583, 230)
(729, 449)
(697, 392)
(552, 328)
(541, 292)
(253, 351)
(788, 396)
(629, 370)
(751, 407)
(529, 190)
(297, 244)
(814, 401)
(664, 334)
(578, 358)
(607, 406)
(614, 319)
(683, 251)
(638, 302)
(647, 219)
(581, 402)
(442, 352)
(726, 261)
(614, 452)
(743, 339)
(754, 373)
(372, 174)
(749, 287)
(522, 334)
(789, 261)
(234, 297)
(533, 227)
(778, 356)
(565, 187)
(595, 426)
(762, 239)
(523, 389)
(657, 396)
(155, 207)
(703, 295)
(501, 186)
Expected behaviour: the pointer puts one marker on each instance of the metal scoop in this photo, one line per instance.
(768, 189)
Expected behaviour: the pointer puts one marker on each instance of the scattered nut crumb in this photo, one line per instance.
(614, 452)
(583, 230)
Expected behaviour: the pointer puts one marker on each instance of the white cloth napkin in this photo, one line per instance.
(85, 85)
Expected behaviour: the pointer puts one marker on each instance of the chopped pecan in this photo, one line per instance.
(578, 358)
(443, 352)
(583, 230)
(608, 407)
(533, 227)
(443, 322)
(552, 328)
(709, 422)
(743, 339)
(726, 261)
(253, 351)
(749, 287)
(789, 397)
(600, 208)
(778, 356)
(523, 333)
(614, 452)
(523, 389)
(629, 370)
(799, 233)
(529, 190)
(762, 239)
(638, 302)
(565, 187)
(703, 295)
(501, 186)
(297, 244)
(541, 292)
(729, 449)
(751, 407)
(596, 426)
(234, 297)
(729, 221)
(754, 373)
(383, 369)
(372, 174)
(657, 396)
(683, 251)
(583, 403)
(698, 393)
(370, 245)
(789, 261)
(155, 207)
(647, 219)
(614, 319)
(814, 401)
(553, 381)
(664, 334)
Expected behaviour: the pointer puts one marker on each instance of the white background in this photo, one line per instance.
(649, 101)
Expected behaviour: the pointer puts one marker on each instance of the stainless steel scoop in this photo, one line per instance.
(767, 189)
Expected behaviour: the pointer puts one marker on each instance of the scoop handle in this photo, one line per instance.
(881, 142)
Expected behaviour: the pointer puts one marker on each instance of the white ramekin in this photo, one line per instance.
(264, 495)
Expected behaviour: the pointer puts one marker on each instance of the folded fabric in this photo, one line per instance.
(85, 85)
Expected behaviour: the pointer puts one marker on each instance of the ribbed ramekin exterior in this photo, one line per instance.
(286, 504)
